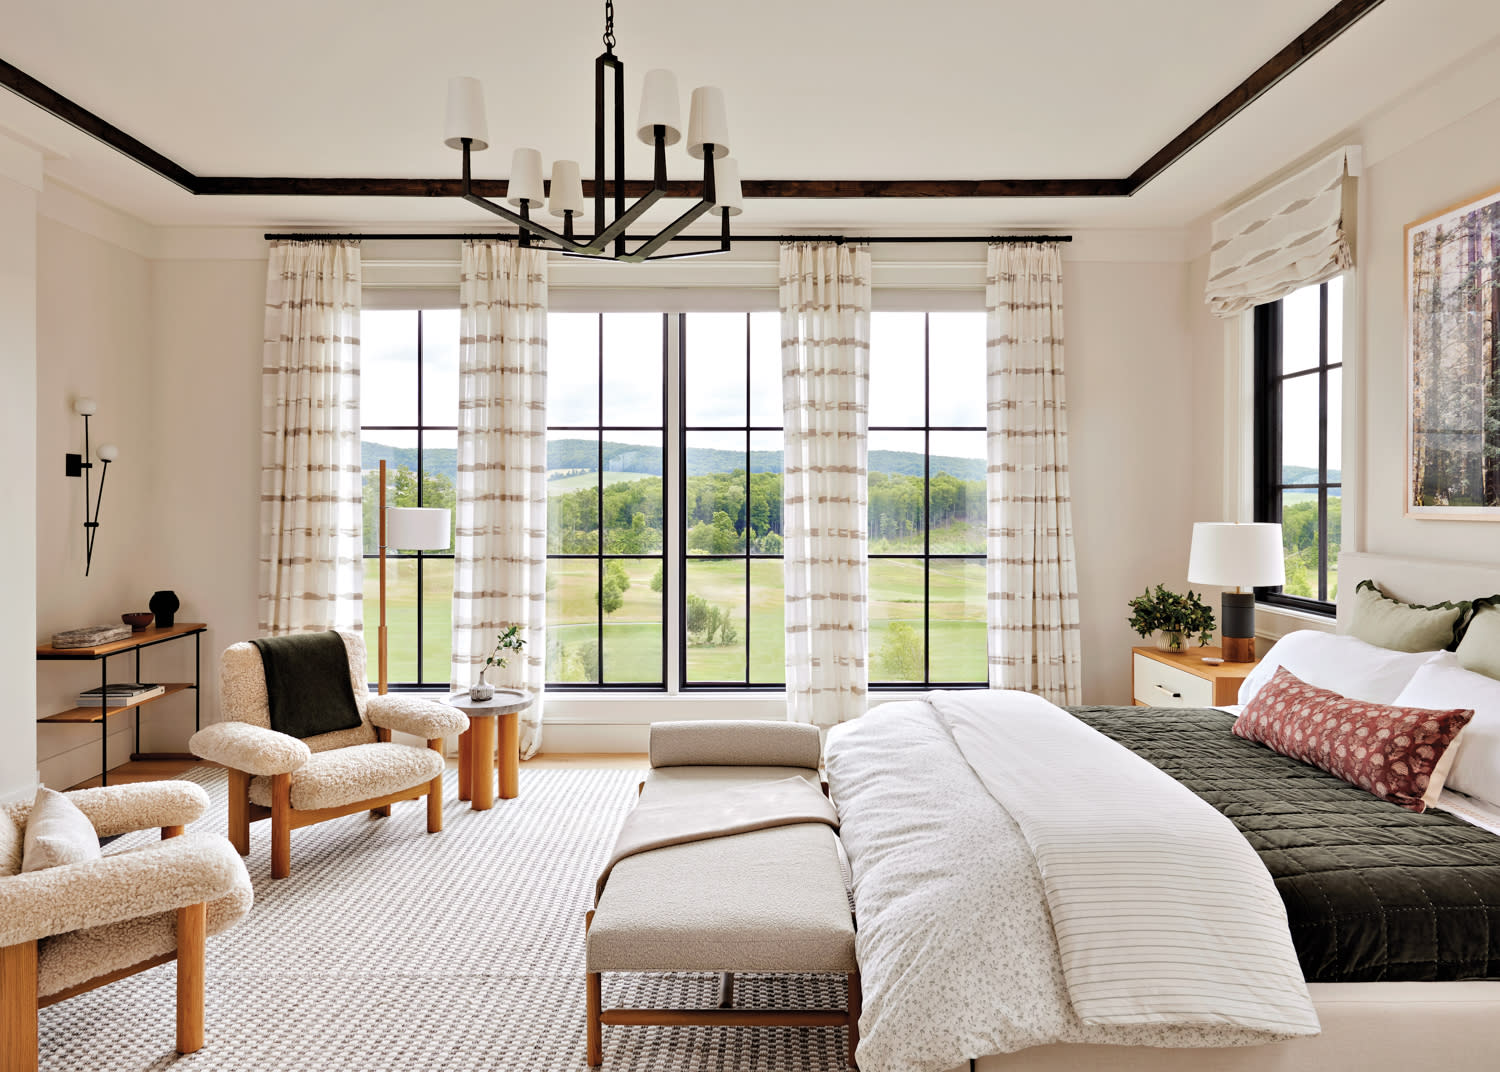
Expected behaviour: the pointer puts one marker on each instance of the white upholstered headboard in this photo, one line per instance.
(1414, 580)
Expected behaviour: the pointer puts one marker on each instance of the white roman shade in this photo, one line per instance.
(1291, 236)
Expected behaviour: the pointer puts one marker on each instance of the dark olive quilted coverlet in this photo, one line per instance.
(1372, 892)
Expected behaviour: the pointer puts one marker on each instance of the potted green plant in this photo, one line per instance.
(1172, 617)
(510, 639)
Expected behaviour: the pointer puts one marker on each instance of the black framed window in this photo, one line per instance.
(927, 526)
(1298, 439)
(606, 499)
(732, 598)
(409, 415)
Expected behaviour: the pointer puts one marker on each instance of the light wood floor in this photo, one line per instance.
(156, 770)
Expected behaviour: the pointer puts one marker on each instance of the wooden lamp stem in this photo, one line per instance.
(381, 637)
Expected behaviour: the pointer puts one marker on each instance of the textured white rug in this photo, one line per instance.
(389, 948)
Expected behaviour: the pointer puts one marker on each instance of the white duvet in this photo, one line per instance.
(956, 945)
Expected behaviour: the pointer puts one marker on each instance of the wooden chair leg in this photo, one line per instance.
(239, 811)
(172, 831)
(18, 1006)
(281, 825)
(856, 1005)
(191, 937)
(435, 794)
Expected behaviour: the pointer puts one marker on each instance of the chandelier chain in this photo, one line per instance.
(609, 26)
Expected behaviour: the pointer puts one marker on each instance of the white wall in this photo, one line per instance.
(20, 179)
(93, 310)
(1456, 163)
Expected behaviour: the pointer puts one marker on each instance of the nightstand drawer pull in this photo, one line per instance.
(1169, 692)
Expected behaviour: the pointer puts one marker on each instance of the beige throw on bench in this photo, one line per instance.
(717, 811)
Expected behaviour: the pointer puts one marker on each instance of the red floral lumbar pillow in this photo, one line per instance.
(1400, 754)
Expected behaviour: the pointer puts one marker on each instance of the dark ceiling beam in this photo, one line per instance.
(1333, 23)
(1308, 44)
(48, 99)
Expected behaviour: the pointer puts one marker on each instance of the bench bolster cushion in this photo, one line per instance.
(734, 744)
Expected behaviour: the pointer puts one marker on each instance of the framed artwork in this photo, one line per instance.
(1453, 363)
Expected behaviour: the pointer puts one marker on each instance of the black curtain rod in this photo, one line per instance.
(840, 239)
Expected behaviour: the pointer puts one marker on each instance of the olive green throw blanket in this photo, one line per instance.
(308, 690)
(1373, 892)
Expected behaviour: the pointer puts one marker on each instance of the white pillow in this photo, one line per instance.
(1342, 664)
(1442, 683)
(57, 833)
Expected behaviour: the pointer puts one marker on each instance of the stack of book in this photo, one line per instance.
(124, 694)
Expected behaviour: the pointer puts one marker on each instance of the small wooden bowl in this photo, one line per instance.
(138, 620)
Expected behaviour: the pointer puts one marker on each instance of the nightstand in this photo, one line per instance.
(1169, 679)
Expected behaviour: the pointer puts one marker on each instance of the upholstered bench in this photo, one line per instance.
(765, 900)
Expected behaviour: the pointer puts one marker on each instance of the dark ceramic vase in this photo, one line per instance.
(164, 605)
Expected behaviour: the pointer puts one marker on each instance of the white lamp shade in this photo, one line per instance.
(85, 407)
(410, 528)
(525, 178)
(727, 186)
(108, 452)
(567, 188)
(465, 117)
(1246, 555)
(660, 106)
(708, 123)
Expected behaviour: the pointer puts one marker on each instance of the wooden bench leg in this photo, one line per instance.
(281, 825)
(726, 990)
(435, 794)
(191, 935)
(18, 1006)
(856, 1003)
(595, 1032)
(239, 811)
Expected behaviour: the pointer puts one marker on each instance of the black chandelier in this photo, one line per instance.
(659, 125)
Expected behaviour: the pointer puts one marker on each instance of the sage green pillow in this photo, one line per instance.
(1388, 623)
(1479, 650)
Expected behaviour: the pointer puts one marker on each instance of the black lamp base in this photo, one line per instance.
(1237, 627)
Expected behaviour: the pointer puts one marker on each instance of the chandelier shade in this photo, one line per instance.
(729, 200)
(567, 189)
(660, 107)
(465, 116)
(658, 124)
(708, 123)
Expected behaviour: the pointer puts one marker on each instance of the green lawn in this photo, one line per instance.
(633, 634)
(589, 480)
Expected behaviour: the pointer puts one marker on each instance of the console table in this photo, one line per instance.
(136, 642)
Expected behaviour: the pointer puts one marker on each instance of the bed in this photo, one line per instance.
(958, 949)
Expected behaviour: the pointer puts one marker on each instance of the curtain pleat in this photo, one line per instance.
(825, 361)
(311, 564)
(1034, 642)
(500, 548)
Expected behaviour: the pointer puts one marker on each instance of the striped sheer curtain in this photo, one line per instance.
(500, 550)
(311, 567)
(1034, 640)
(825, 362)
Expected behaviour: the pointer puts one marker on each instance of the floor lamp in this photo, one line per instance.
(406, 528)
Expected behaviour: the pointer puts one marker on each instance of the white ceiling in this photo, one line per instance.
(860, 89)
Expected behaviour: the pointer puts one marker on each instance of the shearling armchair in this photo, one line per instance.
(298, 782)
(65, 930)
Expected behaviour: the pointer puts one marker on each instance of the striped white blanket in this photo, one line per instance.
(1163, 912)
(976, 820)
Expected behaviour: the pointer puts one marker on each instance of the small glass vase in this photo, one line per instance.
(1167, 640)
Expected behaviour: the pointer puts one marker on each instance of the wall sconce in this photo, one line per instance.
(79, 465)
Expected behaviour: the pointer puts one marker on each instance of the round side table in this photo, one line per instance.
(476, 745)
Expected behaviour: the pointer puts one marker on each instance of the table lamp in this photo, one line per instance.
(407, 528)
(1245, 556)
